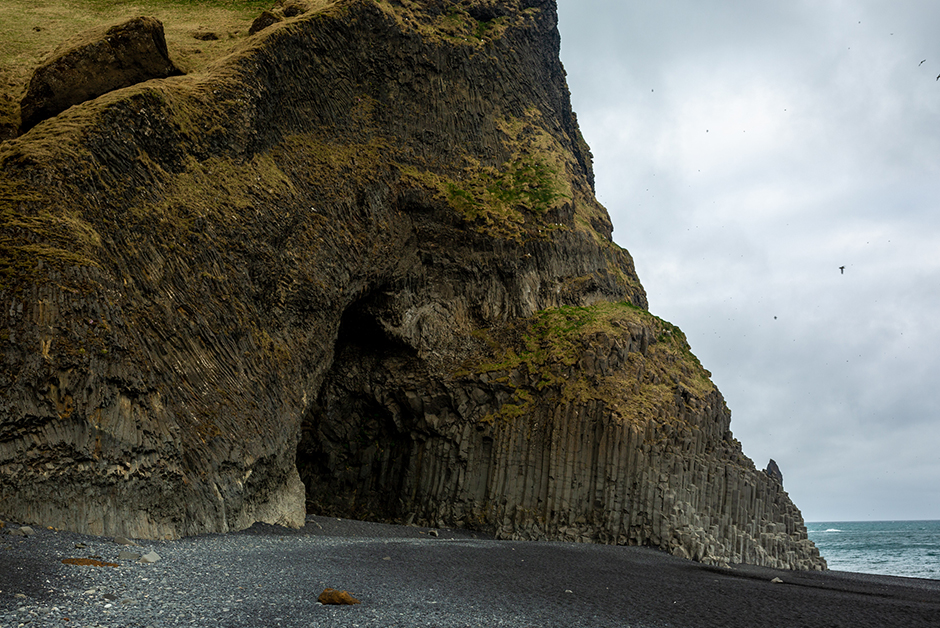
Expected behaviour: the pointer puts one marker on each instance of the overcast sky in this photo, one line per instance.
(745, 151)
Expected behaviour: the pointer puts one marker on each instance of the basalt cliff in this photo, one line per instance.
(354, 268)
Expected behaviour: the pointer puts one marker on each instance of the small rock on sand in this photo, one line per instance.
(332, 596)
(150, 557)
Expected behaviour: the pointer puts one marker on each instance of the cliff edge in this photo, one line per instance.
(355, 268)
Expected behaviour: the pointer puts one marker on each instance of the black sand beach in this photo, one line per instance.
(405, 576)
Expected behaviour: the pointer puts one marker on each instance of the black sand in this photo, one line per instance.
(404, 576)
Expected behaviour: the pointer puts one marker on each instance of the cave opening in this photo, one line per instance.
(355, 449)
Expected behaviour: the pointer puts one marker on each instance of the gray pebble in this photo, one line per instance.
(150, 557)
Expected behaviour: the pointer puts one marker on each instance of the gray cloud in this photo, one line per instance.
(747, 150)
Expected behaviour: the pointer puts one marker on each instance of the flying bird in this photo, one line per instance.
(921, 63)
(841, 270)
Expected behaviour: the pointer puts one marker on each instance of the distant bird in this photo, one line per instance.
(938, 77)
(841, 270)
(921, 63)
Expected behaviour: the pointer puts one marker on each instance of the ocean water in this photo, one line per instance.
(890, 548)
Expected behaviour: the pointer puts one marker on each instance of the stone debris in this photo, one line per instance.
(150, 557)
(120, 540)
(332, 596)
(205, 35)
(22, 531)
(88, 562)
(125, 555)
(777, 581)
(279, 13)
(266, 19)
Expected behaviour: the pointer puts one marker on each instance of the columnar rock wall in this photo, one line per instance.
(358, 266)
(615, 435)
(177, 258)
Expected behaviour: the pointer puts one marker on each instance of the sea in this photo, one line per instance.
(890, 548)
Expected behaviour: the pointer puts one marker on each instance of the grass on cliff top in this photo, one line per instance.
(548, 345)
(455, 24)
(198, 32)
(31, 29)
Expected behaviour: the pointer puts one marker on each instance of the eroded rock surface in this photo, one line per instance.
(358, 268)
(95, 63)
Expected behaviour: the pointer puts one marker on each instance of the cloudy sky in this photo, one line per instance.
(745, 151)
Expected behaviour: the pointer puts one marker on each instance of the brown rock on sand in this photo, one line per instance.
(88, 562)
(332, 596)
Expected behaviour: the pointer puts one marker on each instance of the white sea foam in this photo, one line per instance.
(890, 548)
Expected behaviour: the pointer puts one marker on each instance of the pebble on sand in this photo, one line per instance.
(150, 557)
(88, 562)
(332, 596)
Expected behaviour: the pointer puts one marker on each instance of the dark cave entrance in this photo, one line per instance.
(355, 449)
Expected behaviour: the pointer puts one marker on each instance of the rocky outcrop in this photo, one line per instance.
(357, 268)
(95, 63)
(282, 9)
(588, 424)
(773, 471)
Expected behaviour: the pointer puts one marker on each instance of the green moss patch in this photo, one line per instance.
(551, 353)
(457, 23)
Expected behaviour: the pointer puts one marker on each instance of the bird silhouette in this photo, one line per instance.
(921, 63)
(841, 270)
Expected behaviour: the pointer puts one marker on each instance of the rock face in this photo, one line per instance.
(95, 63)
(358, 268)
(774, 472)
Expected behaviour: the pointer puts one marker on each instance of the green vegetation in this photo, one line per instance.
(527, 186)
(555, 337)
(553, 350)
(455, 25)
(32, 29)
(460, 25)
(507, 203)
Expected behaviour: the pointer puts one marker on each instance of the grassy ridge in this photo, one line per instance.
(32, 29)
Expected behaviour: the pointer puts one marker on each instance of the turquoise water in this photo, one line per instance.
(891, 548)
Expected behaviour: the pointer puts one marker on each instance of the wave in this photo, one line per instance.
(833, 530)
